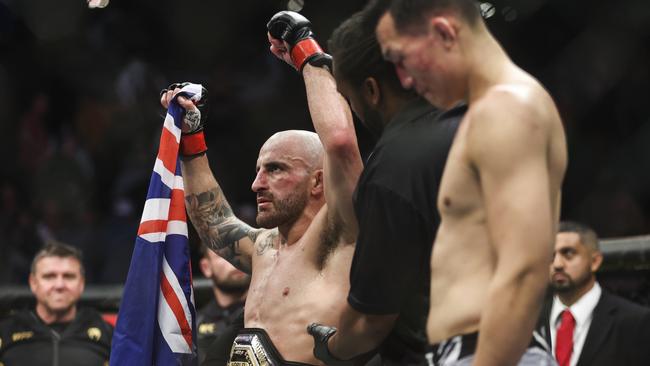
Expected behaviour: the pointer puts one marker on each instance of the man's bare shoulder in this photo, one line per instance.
(524, 104)
(267, 240)
(511, 120)
(517, 99)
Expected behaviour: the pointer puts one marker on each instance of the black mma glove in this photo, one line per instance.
(322, 334)
(192, 137)
(295, 29)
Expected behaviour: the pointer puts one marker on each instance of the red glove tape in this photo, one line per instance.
(303, 50)
(193, 144)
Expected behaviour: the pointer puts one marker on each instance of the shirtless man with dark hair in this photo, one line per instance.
(499, 197)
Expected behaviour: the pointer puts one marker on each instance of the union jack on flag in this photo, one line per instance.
(156, 321)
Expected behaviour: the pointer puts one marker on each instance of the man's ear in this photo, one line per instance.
(596, 261)
(32, 282)
(204, 263)
(443, 29)
(317, 187)
(371, 92)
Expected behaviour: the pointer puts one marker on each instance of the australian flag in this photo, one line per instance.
(156, 321)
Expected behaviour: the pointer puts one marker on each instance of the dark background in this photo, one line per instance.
(80, 119)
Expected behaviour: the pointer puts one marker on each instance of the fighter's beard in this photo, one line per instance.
(285, 211)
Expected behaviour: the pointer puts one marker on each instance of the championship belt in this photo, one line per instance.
(253, 347)
(248, 350)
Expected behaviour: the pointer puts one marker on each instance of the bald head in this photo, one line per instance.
(297, 145)
(289, 177)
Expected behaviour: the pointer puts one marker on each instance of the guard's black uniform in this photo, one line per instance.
(395, 203)
(217, 328)
(26, 340)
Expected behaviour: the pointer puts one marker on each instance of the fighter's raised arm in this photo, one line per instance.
(292, 40)
(206, 203)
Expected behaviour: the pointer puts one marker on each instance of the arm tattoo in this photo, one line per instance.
(216, 224)
(267, 243)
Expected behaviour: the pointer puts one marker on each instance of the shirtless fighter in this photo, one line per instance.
(499, 197)
(300, 258)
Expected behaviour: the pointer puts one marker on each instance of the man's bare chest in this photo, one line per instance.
(281, 275)
(460, 193)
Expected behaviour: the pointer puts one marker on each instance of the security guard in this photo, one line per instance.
(219, 321)
(56, 332)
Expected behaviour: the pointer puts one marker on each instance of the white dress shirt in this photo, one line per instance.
(583, 311)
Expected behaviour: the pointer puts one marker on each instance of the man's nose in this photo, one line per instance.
(59, 282)
(558, 262)
(260, 182)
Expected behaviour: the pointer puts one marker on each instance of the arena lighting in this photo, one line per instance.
(295, 5)
(487, 10)
(97, 4)
(508, 13)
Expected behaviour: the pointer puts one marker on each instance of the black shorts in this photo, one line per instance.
(459, 350)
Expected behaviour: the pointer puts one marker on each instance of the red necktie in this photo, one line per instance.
(564, 339)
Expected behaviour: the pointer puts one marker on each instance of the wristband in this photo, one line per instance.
(193, 144)
(303, 50)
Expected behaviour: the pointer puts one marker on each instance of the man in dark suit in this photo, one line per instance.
(584, 324)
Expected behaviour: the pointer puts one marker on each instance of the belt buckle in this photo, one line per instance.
(248, 350)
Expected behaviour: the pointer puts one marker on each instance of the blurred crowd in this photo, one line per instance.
(80, 117)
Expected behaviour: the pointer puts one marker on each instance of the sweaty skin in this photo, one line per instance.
(299, 262)
(499, 197)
